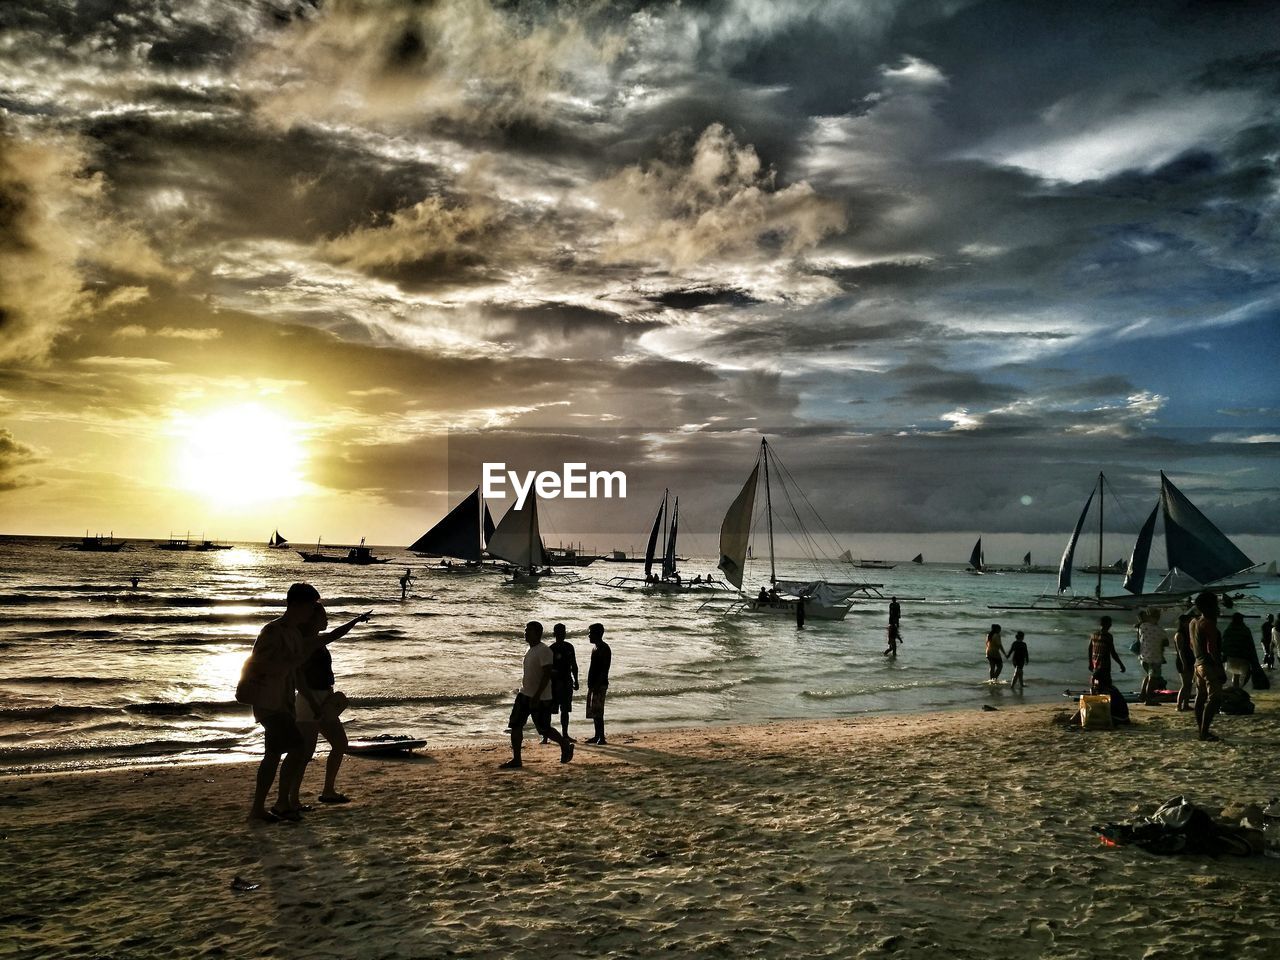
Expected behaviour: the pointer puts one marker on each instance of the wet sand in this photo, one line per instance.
(945, 835)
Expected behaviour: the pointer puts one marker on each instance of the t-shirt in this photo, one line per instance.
(564, 666)
(1018, 652)
(536, 661)
(317, 672)
(598, 672)
(1151, 642)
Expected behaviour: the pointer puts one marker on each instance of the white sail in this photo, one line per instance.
(736, 530)
(846, 557)
(517, 538)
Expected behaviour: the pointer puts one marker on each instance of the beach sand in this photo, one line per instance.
(946, 835)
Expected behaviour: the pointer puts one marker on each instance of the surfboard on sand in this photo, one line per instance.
(384, 745)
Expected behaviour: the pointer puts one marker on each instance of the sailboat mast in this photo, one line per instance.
(768, 509)
(666, 494)
(1097, 591)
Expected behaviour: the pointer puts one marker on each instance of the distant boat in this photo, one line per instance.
(517, 539)
(918, 558)
(361, 556)
(182, 544)
(97, 544)
(461, 535)
(277, 542)
(822, 599)
(661, 551)
(1199, 556)
(976, 564)
(563, 556)
(847, 557)
(1118, 567)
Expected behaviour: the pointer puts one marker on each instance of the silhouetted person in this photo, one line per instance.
(1185, 662)
(995, 652)
(1238, 652)
(763, 599)
(800, 613)
(534, 699)
(598, 679)
(405, 581)
(279, 650)
(1206, 645)
(895, 612)
(1102, 650)
(564, 677)
(316, 715)
(894, 636)
(133, 583)
(1268, 638)
(1018, 654)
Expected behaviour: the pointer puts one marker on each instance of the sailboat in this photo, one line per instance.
(918, 558)
(1199, 555)
(277, 542)
(822, 599)
(1025, 567)
(460, 535)
(518, 540)
(847, 557)
(976, 565)
(661, 550)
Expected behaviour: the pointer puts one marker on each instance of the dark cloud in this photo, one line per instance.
(923, 383)
(15, 456)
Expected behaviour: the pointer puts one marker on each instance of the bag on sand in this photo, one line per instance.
(1095, 712)
(1179, 826)
(255, 682)
(1236, 701)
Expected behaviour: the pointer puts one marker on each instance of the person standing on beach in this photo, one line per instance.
(598, 679)
(1018, 654)
(1102, 650)
(405, 582)
(267, 684)
(564, 676)
(1152, 641)
(1238, 652)
(534, 699)
(1186, 661)
(995, 652)
(1206, 646)
(891, 651)
(316, 714)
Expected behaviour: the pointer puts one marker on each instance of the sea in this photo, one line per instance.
(97, 673)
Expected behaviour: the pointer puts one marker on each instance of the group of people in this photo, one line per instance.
(289, 682)
(547, 687)
(1206, 658)
(997, 654)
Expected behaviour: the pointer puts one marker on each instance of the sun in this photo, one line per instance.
(238, 455)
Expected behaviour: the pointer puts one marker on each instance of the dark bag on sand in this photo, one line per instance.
(255, 682)
(1236, 701)
(1177, 826)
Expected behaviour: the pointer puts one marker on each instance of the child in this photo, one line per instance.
(1018, 654)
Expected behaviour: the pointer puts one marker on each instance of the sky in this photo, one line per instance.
(300, 264)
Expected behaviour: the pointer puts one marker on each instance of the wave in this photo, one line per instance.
(138, 619)
(145, 748)
(69, 681)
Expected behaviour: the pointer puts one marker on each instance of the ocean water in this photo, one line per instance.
(96, 673)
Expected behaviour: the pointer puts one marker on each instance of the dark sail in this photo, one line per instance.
(1195, 546)
(651, 550)
(669, 559)
(1136, 573)
(918, 558)
(975, 558)
(488, 524)
(1026, 561)
(1068, 555)
(458, 534)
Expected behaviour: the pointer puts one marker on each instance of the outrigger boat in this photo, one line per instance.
(187, 544)
(96, 544)
(668, 581)
(822, 599)
(461, 535)
(1199, 555)
(360, 556)
(518, 541)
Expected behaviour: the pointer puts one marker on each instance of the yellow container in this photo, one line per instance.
(1095, 712)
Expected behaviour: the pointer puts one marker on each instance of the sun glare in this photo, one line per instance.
(238, 455)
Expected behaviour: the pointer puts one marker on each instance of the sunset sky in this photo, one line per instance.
(282, 264)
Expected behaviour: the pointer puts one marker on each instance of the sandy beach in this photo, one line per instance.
(961, 835)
